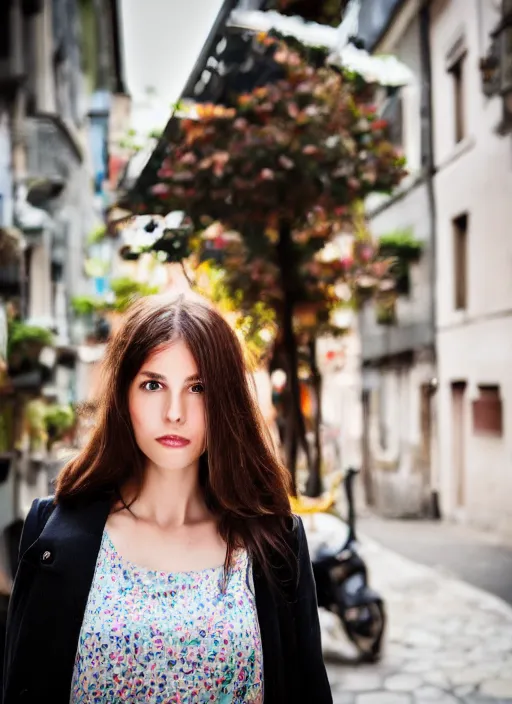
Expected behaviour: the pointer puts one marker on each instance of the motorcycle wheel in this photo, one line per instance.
(365, 626)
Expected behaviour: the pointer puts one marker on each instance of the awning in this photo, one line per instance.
(385, 70)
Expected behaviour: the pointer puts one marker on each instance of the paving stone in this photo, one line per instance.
(464, 690)
(422, 639)
(417, 666)
(497, 688)
(436, 678)
(444, 698)
(474, 675)
(344, 698)
(361, 681)
(428, 694)
(506, 667)
(480, 699)
(383, 698)
(403, 683)
(453, 663)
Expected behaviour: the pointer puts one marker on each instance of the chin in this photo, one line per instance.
(173, 460)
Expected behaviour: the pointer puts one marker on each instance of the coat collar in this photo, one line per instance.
(73, 536)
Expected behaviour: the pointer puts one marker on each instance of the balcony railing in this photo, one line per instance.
(52, 150)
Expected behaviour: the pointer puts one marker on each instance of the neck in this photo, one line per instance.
(170, 499)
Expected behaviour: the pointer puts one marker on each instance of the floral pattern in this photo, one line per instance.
(162, 638)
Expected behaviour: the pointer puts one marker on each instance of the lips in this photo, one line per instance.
(173, 441)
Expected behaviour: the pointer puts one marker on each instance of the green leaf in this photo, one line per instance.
(86, 305)
(97, 235)
(96, 268)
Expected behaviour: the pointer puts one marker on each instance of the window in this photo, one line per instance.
(460, 257)
(488, 411)
(455, 63)
(457, 72)
(392, 112)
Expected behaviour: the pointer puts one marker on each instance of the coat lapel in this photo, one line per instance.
(270, 638)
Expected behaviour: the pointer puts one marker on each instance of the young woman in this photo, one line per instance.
(168, 567)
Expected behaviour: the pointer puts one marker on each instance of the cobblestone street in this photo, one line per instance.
(446, 641)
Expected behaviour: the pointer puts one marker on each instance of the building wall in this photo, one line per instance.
(400, 444)
(6, 204)
(474, 177)
(399, 359)
(402, 481)
(341, 394)
(414, 312)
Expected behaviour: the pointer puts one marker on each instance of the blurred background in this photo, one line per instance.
(336, 177)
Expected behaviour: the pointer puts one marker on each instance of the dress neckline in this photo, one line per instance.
(140, 570)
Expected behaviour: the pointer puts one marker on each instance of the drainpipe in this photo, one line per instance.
(429, 166)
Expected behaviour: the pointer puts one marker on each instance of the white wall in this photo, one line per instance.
(341, 395)
(400, 479)
(411, 210)
(474, 345)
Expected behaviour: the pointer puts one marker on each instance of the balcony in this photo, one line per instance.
(52, 154)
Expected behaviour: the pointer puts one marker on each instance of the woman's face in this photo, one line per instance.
(167, 408)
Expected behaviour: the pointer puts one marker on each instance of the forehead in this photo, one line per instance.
(174, 359)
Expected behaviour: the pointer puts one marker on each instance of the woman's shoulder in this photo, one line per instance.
(40, 510)
(295, 533)
(35, 520)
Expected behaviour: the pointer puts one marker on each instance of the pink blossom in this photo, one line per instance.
(293, 110)
(160, 189)
(286, 162)
(240, 123)
(189, 159)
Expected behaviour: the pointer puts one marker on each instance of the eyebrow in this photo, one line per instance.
(161, 377)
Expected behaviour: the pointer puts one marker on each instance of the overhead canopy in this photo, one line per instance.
(385, 70)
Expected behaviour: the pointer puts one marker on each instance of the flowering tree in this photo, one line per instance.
(283, 166)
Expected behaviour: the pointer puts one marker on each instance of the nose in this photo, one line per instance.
(176, 410)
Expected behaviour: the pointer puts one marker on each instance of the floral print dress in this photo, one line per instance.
(162, 638)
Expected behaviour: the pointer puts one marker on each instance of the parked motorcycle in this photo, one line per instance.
(341, 576)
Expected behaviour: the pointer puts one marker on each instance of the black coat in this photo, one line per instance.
(50, 594)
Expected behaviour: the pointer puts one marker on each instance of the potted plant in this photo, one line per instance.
(24, 345)
(59, 421)
(404, 249)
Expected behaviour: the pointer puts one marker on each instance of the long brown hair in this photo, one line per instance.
(245, 485)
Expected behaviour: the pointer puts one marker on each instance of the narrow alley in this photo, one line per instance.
(447, 642)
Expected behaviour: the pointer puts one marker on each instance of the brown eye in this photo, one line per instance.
(197, 388)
